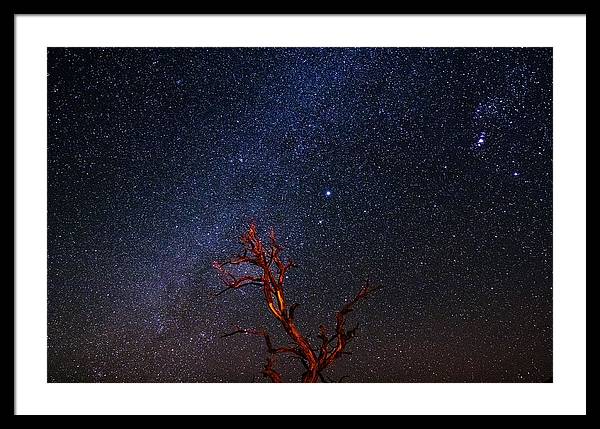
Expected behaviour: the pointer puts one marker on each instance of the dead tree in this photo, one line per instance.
(270, 275)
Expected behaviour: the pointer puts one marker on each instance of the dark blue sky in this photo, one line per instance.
(428, 170)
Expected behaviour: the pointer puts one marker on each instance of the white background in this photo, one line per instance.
(566, 34)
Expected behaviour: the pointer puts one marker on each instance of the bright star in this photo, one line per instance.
(481, 139)
(327, 193)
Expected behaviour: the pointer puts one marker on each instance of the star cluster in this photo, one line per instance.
(427, 170)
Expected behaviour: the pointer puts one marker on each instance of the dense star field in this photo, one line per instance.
(428, 170)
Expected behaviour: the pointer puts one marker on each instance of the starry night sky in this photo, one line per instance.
(428, 170)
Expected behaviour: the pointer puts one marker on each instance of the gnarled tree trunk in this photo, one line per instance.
(271, 277)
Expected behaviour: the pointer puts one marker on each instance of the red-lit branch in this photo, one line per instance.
(272, 276)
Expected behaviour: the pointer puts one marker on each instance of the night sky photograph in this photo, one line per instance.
(258, 215)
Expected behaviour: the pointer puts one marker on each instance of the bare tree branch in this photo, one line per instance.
(270, 372)
(267, 259)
